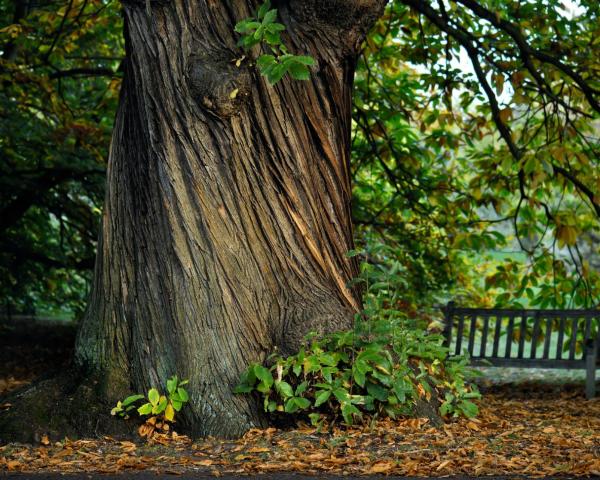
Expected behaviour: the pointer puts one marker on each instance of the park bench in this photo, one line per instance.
(527, 338)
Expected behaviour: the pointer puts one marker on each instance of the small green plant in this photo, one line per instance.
(383, 366)
(159, 410)
(262, 28)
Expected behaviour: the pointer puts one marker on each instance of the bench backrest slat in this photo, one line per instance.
(561, 338)
(573, 341)
(509, 335)
(484, 335)
(535, 336)
(472, 329)
(588, 327)
(459, 334)
(522, 333)
(497, 332)
(547, 337)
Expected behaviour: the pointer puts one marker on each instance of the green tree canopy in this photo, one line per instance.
(475, 134)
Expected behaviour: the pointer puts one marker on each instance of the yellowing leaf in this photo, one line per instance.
(170, 413)
(505, 114)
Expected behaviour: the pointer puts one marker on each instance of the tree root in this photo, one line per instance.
(67, 404)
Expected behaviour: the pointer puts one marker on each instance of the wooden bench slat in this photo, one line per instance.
(547, 337)
(471, 345)
(497, 332)
(561, 338)
(535, 336)
(459, 334)
(522, 334)
(573, 342)
(509, 335)
(449, 320)
(486, 325)
(588, 330)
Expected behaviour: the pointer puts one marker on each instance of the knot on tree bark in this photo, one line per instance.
(353, 17)
(218, 83)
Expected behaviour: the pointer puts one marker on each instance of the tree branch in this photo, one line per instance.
(84, 72)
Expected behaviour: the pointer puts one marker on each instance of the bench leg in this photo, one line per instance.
(590, 368)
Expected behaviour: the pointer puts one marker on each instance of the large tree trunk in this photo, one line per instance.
(227, 220)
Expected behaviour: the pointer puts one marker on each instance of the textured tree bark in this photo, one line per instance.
(227, 217)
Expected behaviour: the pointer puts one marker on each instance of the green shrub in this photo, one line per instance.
(381, 367)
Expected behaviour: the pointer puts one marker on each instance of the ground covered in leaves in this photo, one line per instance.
(530, 428)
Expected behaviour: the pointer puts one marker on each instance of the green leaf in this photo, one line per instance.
(342, 395)
(285, 389)
(270, 17)
(303, 403)
(321, 397)
(153, 396)
(242, 389)
(377, 391)
(468, 408)
(276, 73)
(315, 419)
(359, 377)
(300, 389)
(131, 399)
(264, 375)
(309, 62)
(347, 411)
(264, 8)
(290, 406)
(145, 409)
(176, 405)
(183, 394)
(246, 26)
(160, 406)
(266, 61)
(272, 38)
(172, 384)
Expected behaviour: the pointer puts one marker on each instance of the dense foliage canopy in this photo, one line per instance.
(475, 149)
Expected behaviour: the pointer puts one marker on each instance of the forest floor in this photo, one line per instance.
(530, 424)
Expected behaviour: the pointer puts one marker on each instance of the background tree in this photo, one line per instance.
(58, 69)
